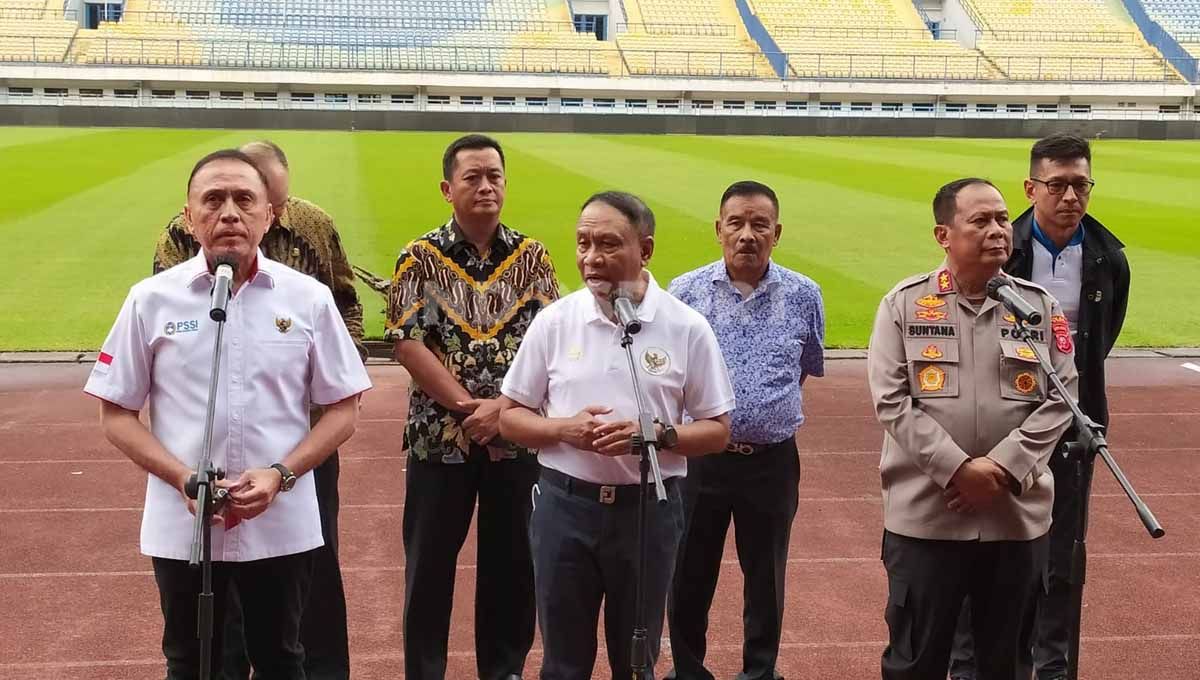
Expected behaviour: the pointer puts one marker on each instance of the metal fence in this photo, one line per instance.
(368, 56)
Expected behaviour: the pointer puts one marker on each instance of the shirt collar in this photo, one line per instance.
(260, 271)
(454, 237)
(1040, 237)
(771, 278)
(645, 310)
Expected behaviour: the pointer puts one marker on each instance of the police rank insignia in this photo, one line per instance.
(1025, 382)
(1026, 353)
(931, 302)
(932, 352)
(283, 324)
(932, 379)
(932, 315)
(1009, 318)
(944, 282)
(655, 361)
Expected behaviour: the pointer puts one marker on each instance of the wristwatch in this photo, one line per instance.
(668, 438)
(289, 479)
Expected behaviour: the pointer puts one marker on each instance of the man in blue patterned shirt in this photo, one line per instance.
(770, 324)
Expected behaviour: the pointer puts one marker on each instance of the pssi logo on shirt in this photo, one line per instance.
(174, 327)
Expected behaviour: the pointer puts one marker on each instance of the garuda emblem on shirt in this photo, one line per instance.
(656, 361)
(283, 324)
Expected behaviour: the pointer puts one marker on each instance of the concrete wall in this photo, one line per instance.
(956, 18)
(81, 116)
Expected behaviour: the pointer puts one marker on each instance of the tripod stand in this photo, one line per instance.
(645, 443)
(1089, 444)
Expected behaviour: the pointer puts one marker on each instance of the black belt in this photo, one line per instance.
(605, 494)
(747, 449)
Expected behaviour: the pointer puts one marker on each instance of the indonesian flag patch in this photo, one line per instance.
(103, 362)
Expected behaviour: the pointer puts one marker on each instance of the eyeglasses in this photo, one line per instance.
(1058, 187)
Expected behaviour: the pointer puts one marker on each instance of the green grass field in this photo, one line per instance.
(80, 210)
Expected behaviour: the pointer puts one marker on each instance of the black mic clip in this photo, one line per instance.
(626, 314)
(1000, 288)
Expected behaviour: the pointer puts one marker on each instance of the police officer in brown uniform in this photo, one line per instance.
(304, 238)
(970, 423)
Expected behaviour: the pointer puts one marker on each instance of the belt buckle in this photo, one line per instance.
(608, 495)
(738, 447)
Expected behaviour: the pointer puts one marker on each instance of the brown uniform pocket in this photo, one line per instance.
(932, 367)
(1021, 376)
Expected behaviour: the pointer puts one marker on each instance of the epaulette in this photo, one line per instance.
(909, 283)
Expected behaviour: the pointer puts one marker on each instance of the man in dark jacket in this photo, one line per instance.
(1059, 246)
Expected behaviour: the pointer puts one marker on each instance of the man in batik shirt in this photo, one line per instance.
(462, 298)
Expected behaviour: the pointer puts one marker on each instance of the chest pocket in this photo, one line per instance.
(1021, 376)
(933, 367)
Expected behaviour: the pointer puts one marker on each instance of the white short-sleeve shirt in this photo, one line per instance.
(571, 357)
(285, 347)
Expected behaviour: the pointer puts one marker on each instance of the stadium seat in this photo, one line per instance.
(1181, 18)
(1066, 40)
(865, 39)
(702, 38)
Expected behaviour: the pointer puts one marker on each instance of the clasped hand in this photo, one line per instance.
(249, 496)
(586, 432)
(975, 485)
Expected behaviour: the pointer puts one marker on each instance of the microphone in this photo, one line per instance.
(626, 316)
(1000, 289)
(221, 287)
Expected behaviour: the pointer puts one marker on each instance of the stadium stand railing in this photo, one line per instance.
(863, 40)
(1166, 43)
(1173, 23)
(1055, 33)
(716, 43)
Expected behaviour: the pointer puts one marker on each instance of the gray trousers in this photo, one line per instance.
(1051, 616)
(585, 554)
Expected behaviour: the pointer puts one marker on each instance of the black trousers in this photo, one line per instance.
(438, 506)
(272, 591)
(760, 493)
(585, 554)
(927, 584)
(323, 623)
(1051, 616)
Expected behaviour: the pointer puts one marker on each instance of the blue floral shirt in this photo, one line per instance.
(771, 340)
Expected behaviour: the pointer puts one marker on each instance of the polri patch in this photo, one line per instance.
(932, 378)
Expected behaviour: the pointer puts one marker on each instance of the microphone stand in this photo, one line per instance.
(209, 500)
(1088, 444)
(646, 444)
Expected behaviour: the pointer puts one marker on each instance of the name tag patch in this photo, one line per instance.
(931, 331)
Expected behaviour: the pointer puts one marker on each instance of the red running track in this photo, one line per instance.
(78, 600)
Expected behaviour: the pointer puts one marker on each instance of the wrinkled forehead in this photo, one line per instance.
(979, 199)
(750, 206)
(227, 176)
(600, 220)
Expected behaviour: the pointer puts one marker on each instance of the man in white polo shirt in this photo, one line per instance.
(575, 402)
(158, 354)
